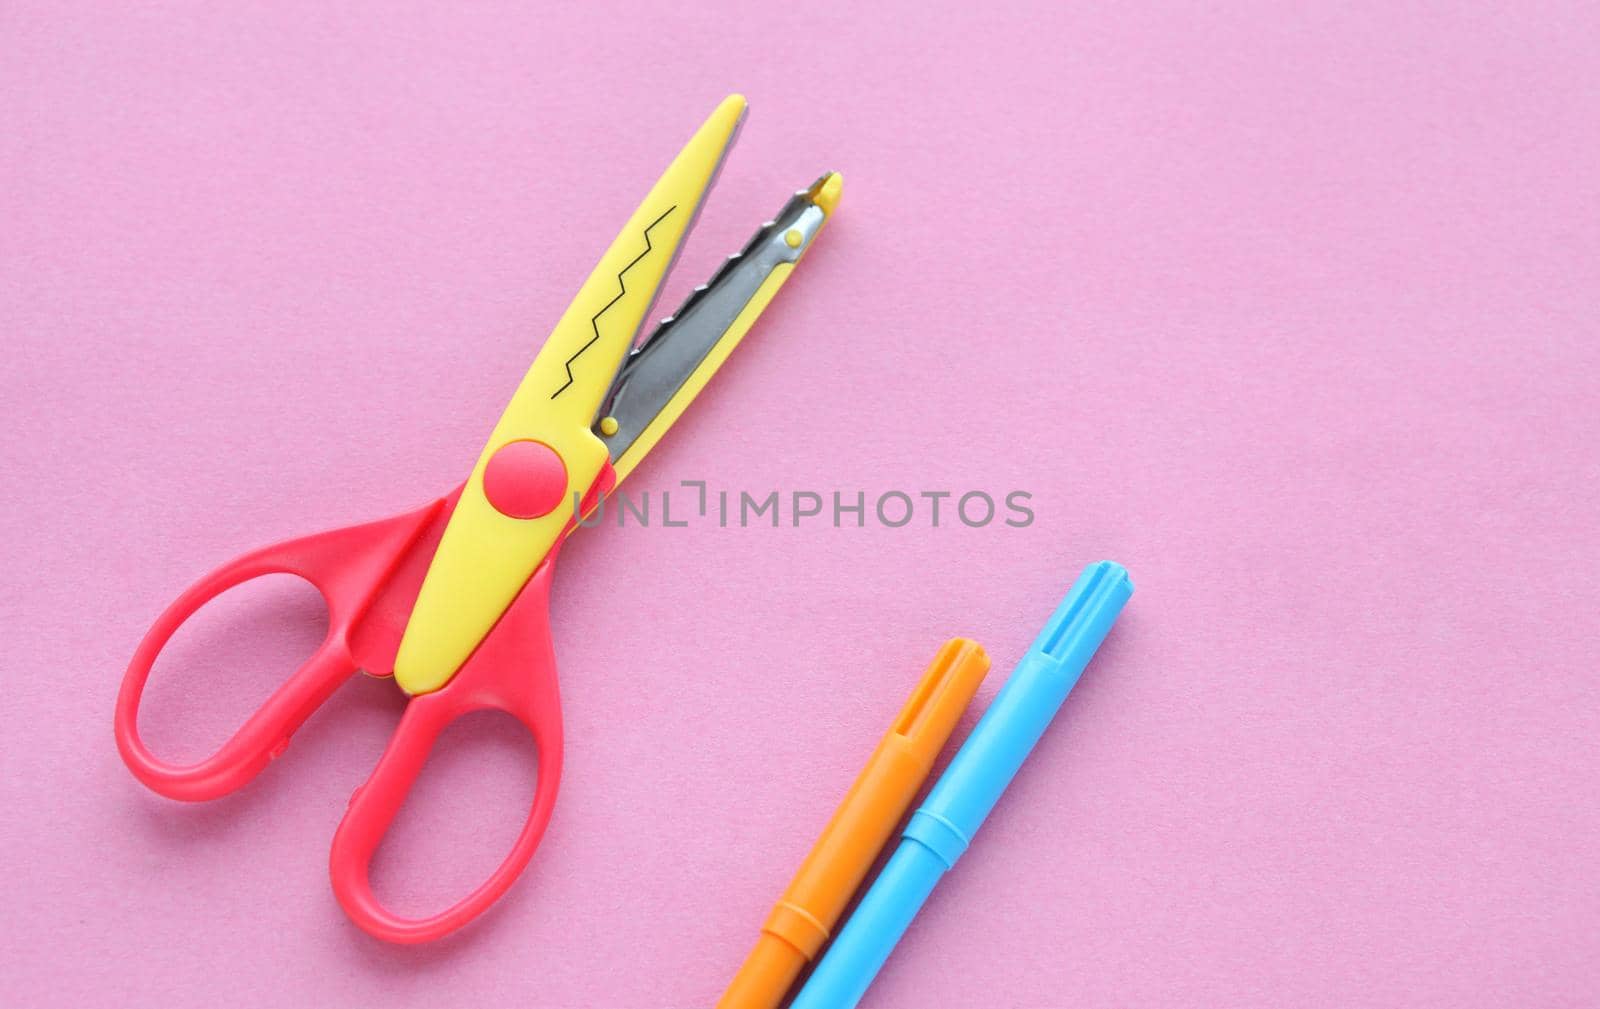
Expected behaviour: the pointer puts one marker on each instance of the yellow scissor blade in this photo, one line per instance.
(578, 362)
(486, 556)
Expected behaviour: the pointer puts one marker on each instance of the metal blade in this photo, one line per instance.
(669, 367)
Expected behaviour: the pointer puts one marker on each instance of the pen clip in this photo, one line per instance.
(942, 695)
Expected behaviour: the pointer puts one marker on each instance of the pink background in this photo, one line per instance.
(1291, 313)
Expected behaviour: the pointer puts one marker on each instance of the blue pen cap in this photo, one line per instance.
(1020, 713)
(1084, 618)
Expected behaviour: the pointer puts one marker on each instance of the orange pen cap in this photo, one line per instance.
(805, 916)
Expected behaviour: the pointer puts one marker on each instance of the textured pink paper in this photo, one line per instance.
(1293, 313)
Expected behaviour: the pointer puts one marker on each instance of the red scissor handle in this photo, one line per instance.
(350, 567)
(370, 575)
(514, 671)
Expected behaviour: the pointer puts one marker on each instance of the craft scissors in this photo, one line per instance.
(452, 598)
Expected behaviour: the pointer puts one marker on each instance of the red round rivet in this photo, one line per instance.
(525, 479)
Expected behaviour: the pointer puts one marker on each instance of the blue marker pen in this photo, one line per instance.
(941, 830)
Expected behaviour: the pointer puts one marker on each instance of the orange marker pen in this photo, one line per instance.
(802, 920)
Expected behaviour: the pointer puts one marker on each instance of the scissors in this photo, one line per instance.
(452, 599)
